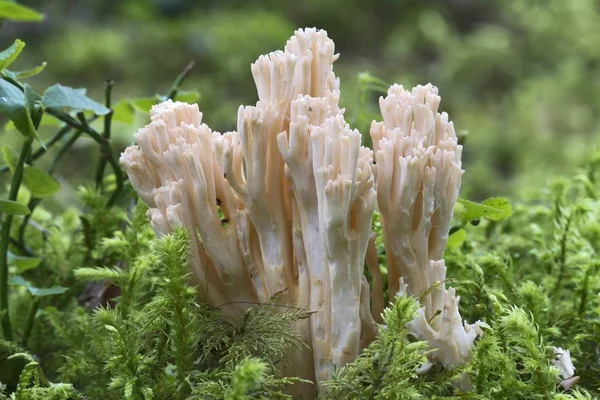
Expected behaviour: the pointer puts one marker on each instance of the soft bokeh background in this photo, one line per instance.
(522, 77)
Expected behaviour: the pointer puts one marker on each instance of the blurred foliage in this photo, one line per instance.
(520, 76)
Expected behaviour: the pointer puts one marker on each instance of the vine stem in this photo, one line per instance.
(5, 237)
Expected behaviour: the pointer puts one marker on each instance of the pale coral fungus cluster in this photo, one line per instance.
(285, 203)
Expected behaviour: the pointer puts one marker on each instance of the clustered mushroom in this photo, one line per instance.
(283, 206)
(418, 180)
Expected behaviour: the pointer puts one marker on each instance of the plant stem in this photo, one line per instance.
(55, 139)
(24, 249)
(41, 151)
(82, 125)
(62, 151)
(33, 203)
(120, 181)
(64, 117)
(35, 305)
(563, 255)
(5, 237)
(106, 150)
(105, 135)
(59, 135)
(179, 80)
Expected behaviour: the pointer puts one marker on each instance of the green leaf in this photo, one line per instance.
(18, 106)
(22, 263)
(368, 81)
(188, 96)
(13, 208)
(12, 104)
(17, 12)
(144, 104)
(123, 111)
(9, 55)
(30, 98)
(474, 211)
(51, 291)
(499, 203)
(9, 156)
(35, 291)
(64, 97)
(28, 73)
(40, 183)
(456, 239)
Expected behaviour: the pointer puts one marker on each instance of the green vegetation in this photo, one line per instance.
(94, 306)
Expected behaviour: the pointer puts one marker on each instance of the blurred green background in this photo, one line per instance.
(522, 77)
